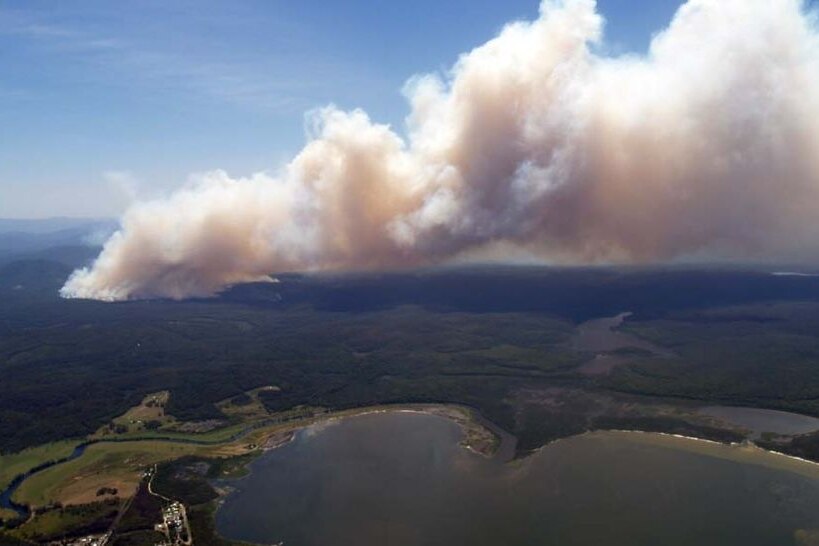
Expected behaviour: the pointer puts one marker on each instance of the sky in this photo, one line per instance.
(102, 103)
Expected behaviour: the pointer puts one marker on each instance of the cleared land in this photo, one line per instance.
(6, 514)
(75, 520)
(147, 415)
(113, 465)
(14, 464)
(246, 405)
(120, 465)
(83, 495)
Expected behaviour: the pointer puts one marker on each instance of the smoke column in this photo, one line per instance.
(707, 146)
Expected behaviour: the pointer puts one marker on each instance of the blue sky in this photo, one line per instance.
(102, 100)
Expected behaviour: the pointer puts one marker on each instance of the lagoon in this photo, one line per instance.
(403, 479)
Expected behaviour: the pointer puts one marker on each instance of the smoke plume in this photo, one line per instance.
(707, 146)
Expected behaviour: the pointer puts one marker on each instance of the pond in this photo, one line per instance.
(759, 420)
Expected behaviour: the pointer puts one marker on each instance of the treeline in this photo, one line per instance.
(188, 480)
(144, 512)
(474, 338)
(805, 446)
(69, 368)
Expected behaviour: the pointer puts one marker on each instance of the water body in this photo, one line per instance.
(399, 479)
(6, 494)
(600, 336)
(764, 420)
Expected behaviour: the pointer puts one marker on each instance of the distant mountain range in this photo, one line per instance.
(71, 241)
(37, 256)
(50, 225)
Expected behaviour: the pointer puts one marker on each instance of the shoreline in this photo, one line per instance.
(742, 453)
(467, 419)
(483, 438)
(280, 433)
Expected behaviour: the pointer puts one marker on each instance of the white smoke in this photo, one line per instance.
(707, 146)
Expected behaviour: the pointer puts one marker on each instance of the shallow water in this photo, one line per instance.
(402, 479)
(764, 420)
(602, 335)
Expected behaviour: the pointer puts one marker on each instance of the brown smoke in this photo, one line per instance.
(708, 146)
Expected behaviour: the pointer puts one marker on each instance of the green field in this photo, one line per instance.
(91, 518)
(117, 465)
(145, 416)
(18, 463)
(215, 436)
(6, 514)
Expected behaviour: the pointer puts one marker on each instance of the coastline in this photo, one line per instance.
(502, 444)
(746, 452)
(485, 439)
(480, 436)
(742, 453)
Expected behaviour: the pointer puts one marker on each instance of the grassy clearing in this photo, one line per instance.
(247, 405)
(74, 520)
(120, 465)
(806, 537)
(116, 465)
(148, 413)
(152, 407)
(18, 463)
(6, 514)
(149, 420)
(215, 436)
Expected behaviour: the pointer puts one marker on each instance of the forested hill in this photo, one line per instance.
(475, 336)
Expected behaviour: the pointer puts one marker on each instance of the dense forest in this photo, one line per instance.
(477, 336)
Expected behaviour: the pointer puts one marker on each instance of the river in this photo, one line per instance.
(23, 511)
(402, 479)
